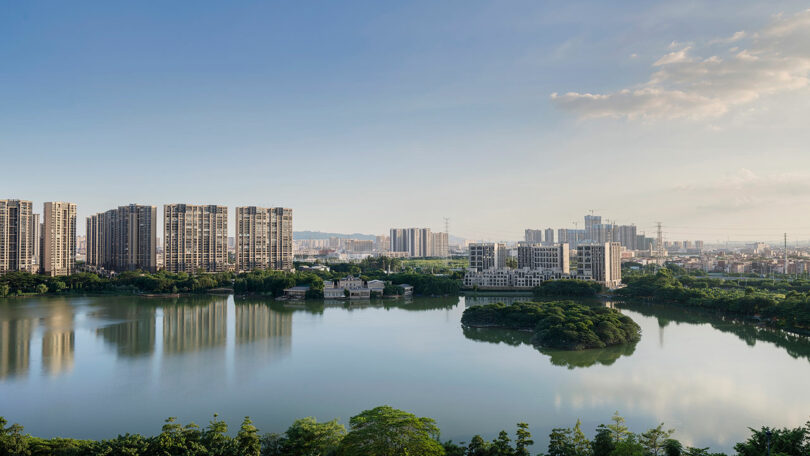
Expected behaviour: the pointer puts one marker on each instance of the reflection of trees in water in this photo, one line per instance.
(192, 324)
(15, 344)
(796, 346)
(318, 306)
(565, 358)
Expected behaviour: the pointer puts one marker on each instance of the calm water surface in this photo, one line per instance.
(97, 367)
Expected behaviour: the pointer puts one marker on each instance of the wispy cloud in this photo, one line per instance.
(687, 85)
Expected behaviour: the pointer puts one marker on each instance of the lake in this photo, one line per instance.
(94, 367)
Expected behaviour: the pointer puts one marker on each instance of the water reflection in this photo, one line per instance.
(15, 345)
(564, 358)
(59, 338)
(135, 335)
(795, 345)
(196, 324)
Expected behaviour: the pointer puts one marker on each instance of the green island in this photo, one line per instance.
(386, 431)
(565, 325)
(781, 304)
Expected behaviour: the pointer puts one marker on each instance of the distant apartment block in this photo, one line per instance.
(418, 242)
(487, 255)
(19, 237)
(548, 238)
(533, 236)
(264, 238)
(195, 238)
(123, 239)
(601, 263)
(544, 257)
(58, 238)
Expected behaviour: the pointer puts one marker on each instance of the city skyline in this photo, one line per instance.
(419, 102)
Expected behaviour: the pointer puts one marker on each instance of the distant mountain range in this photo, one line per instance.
(322, 235)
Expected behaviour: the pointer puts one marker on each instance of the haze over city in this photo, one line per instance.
(365, 115)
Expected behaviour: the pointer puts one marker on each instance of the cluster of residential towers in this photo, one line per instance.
(125, 239)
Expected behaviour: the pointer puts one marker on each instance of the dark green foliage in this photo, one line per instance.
(306, 437)
(787, 442)
(783, 303)
(564, 325)
(386, 431)
(567, 288)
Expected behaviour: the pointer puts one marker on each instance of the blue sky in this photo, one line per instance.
(367, 115)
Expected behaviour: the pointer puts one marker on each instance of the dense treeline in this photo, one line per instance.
(562, 324)
(274, 282)
(784, 304)
(567, 287)
(20, 283)
(385, 431)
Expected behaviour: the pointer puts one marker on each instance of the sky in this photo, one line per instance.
(363, 116)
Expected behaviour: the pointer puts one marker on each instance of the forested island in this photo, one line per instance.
(563, 325)
(386, 431)
(783, 304)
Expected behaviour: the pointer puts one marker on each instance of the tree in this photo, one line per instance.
(502, 446)
(247, 439)
(523, 440)
(386, 431)
(215, 438)
(511, 263)
(560, 443)
(42, 288)
(786, 441)
(672, 447)
(618, 430)
(582, 446)
(478, 447)
(629, 446)
(654, 439)
(5, 290)
(307, 437)
(602, 444)
(12, 440)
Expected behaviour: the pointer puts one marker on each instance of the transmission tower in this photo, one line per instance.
(786, 256)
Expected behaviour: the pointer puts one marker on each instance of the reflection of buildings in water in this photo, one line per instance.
(136, 335)
(58, 340)
(194, 327)
(257, 322)
(15, 346)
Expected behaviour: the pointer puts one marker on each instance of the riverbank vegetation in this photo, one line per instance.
(563, 325)
(783, 304)
(567, 288)
(385, 431)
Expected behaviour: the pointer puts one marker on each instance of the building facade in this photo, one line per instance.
(533, 236)
(544, 257)
(487, 255)
(58, 238)
(19, 237)
(195, 238)
(418, 242)
(264, 238)
(601, 263)
(123, 239)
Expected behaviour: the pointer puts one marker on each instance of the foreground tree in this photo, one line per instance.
(307, 437)
(247, 440)
(386, 431)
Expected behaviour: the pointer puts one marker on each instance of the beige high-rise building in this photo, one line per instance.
(440, 245)
(59, 238)
(195, 238)
(123, 239)
(18, 228)
(264, 238)
(600, 262)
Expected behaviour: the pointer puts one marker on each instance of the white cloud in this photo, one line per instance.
(684, 85)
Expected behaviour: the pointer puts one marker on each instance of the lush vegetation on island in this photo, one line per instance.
(782, 304)
(561, 324)
(385, 431)
(567, 288)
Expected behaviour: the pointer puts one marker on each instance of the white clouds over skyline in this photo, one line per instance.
(702, 81)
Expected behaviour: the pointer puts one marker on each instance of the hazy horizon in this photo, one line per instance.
(363, 116)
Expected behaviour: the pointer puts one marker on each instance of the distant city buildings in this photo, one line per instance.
(58, 238)
(600, 263)
(554, 257)
(264, 238)
(418, 242)
(195, 238)
(123, 239)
